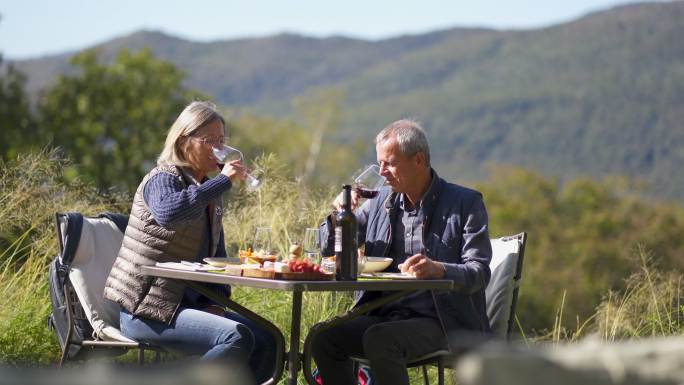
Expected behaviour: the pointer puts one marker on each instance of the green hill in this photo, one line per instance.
(597, 96)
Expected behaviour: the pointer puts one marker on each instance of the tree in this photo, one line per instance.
(16, 123)
(585, 238)
(112, 119)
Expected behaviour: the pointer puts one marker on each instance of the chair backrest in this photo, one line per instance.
(502, 291)
(98, 247)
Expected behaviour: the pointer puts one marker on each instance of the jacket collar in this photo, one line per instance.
(393, 200)
(432, 194)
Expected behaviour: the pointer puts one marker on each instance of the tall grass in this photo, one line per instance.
(24, 337)
(282, 203)
(31, 191)
(651, 305)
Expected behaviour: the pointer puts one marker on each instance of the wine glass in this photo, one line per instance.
(312, 249)
(262, 241)
(367, 184)
(225, 154)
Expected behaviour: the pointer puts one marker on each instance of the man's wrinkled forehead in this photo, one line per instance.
(389, 150)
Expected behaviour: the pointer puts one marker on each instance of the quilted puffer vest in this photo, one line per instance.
(145, 242)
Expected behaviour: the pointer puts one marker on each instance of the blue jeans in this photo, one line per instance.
(195, 332)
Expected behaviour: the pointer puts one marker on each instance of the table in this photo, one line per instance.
(294, 357)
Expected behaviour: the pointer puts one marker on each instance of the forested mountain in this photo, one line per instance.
(601, 95)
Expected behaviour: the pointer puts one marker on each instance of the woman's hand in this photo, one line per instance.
(235, 170)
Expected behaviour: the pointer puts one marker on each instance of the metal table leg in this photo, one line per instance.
(293, 358)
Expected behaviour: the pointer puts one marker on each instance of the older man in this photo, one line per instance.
(429, 227)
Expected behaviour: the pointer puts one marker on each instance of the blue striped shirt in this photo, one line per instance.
(171, 204)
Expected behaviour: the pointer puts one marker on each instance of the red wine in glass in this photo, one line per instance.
(366, 193)
(367, 184)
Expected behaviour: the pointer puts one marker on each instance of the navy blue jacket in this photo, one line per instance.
(455, 232)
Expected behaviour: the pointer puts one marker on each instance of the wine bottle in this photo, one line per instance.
(346, 249)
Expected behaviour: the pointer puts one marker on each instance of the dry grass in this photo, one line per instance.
(651, 305)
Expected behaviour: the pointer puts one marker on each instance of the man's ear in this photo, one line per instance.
(419, 158)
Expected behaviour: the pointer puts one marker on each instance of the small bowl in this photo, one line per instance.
(374, 264)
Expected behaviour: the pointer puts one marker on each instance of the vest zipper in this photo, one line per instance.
(175, 311)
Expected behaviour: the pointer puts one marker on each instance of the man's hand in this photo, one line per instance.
(423, 267)
(337, 204)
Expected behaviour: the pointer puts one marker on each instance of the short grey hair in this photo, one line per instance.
(410, 136)
(195, 116)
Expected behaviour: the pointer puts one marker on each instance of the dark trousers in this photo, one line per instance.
(388, 343)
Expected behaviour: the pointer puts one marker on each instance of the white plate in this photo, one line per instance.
(222, 262)
(374, 264)
(383, 275)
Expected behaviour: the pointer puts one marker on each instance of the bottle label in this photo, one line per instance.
(338, 239)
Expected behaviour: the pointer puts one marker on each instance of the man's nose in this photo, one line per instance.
(383, 170)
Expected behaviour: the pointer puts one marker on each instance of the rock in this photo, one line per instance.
(649, 361)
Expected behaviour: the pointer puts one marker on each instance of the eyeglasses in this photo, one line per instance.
(212, 141)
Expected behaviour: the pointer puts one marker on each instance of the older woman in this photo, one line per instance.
(176, 215)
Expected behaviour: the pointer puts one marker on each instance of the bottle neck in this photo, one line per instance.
(346, 197)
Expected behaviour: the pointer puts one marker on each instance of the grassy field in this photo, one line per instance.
(31, 191)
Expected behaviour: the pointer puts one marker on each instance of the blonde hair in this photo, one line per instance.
(195, 116)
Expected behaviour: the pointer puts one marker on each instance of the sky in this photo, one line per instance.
(30, 28)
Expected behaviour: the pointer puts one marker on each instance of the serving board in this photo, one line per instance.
(305, 276)
(258, 273)
(301, 276)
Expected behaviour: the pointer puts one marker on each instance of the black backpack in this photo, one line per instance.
(59, 320)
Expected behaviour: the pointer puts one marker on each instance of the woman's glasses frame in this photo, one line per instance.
(214, 142)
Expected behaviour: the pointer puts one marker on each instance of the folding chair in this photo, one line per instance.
(501, 294)
(87, 324)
